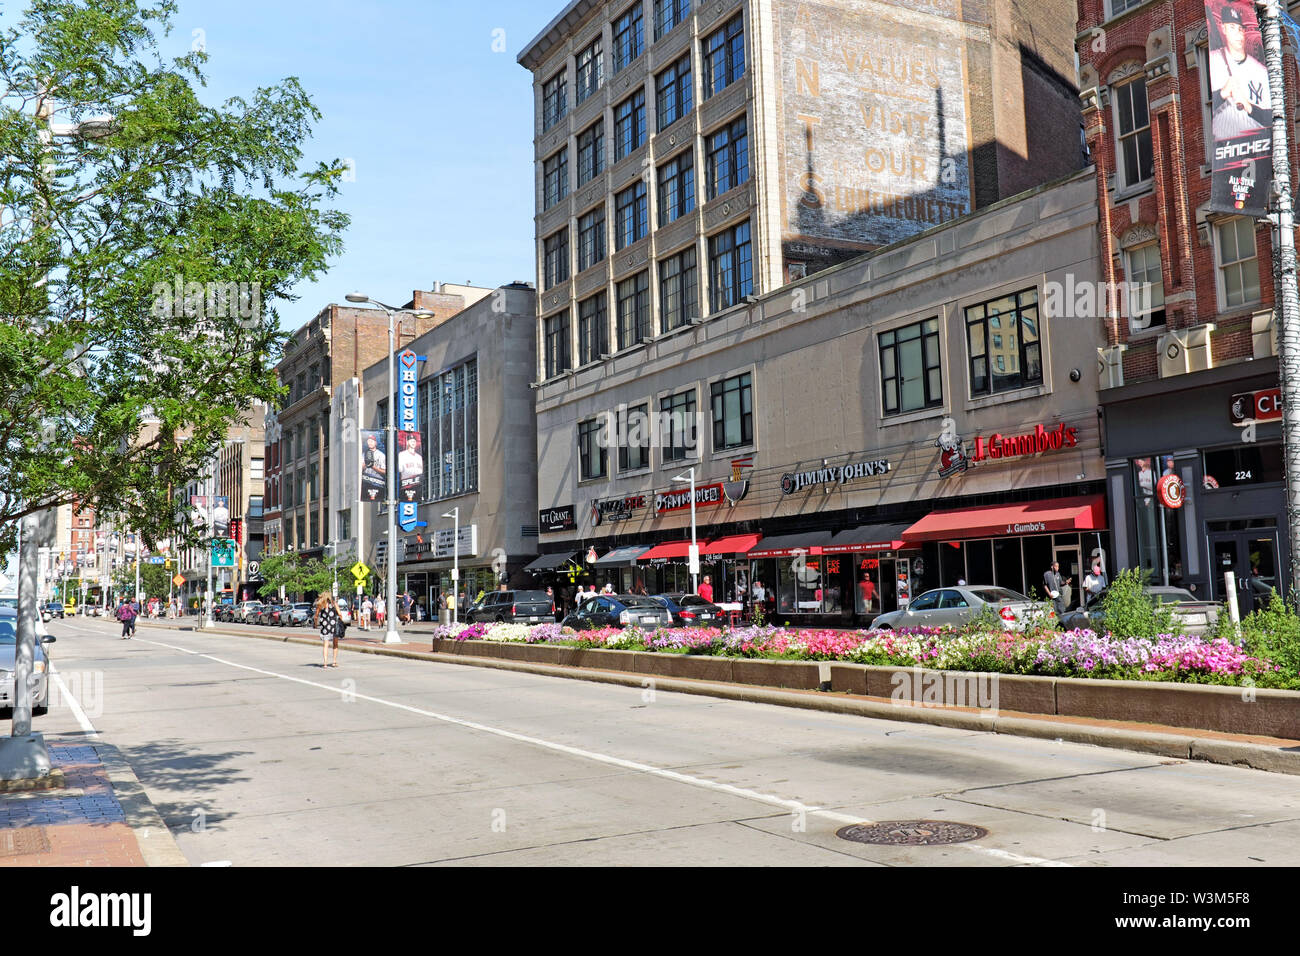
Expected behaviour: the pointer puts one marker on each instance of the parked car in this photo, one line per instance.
(55, 609)
(246, 612)
(267, 614)
(296, 615)
(40, 679)
(1191, 614)
(514, 607)
(691, 610)
(953, 607)
(618, 610)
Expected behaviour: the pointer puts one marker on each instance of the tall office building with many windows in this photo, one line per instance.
(692, 154)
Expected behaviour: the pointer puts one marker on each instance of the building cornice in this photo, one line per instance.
(553, 34)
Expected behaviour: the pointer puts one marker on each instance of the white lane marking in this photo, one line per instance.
(73, 704)
(742, 792)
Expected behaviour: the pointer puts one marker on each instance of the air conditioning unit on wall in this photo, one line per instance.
(1263, 334)
(1180, 351)
(1110, 366)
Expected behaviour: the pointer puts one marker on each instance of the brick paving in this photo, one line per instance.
(80, 824)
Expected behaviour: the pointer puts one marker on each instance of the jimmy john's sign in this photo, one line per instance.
(833, 475)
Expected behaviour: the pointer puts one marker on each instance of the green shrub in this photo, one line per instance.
(1128, 612)
(987, 621)
(1273, 632)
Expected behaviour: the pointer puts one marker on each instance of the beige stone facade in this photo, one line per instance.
(865, 122)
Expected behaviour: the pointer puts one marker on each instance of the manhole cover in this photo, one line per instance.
(24, 842)
(911, 832)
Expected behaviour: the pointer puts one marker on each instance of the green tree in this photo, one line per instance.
(141, 259)
(154, 580)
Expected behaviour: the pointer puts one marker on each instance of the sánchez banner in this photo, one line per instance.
(410, 471)
(1241, 112)
(374, 465)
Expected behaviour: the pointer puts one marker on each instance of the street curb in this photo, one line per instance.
(1189, 746)
(157, 845)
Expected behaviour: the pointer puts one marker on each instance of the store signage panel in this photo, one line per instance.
(833, 475)
(677, 500)
(467, 542)
(616, 509)
(550, 520)
(1262, 406)
(998, 446)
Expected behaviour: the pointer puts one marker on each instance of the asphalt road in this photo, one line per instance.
(254, 755)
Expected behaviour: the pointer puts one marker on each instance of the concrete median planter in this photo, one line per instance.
(1234, 710)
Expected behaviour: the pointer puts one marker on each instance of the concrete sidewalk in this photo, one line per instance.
(100, 816)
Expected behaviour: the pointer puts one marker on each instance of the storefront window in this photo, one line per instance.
(1159, 539)
(979, 562)
(1038, 561)
(1243, 465)
(1008, 571)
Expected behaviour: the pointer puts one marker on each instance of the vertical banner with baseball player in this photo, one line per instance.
(410, 465)
(1241, 110)
(374, 465)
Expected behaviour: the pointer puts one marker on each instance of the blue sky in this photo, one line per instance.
(438, 125)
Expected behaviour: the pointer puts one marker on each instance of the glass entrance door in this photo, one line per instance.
(1252, 557)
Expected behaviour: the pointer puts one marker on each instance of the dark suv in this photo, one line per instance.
(513, 607)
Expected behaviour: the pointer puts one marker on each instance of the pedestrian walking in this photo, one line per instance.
(126, 614)
(326, 617)
(1094, 582)
(380, 609)
(367, 609)
(706, 589)
(1055, 586)
(408, 601)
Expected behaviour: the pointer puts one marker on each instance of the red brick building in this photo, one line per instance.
(1178, 363)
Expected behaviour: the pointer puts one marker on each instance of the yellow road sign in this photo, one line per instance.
(360, 572)
(178, 580)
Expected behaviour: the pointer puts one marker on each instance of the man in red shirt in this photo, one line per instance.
(706, 589)
(868, 590)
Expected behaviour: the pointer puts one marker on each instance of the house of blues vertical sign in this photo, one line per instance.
(408, 420)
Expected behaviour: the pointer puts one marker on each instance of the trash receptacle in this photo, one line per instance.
(444, 615)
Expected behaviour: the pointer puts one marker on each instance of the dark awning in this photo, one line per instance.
(786, 545)
(623, 556)
(549, 562)
(872, 537)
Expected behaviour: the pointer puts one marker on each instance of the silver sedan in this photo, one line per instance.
(953, 607)
(39, 681)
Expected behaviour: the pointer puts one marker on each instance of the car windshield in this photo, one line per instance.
(532, 596)
(1172, 596)
(994, 595)
(634, 601)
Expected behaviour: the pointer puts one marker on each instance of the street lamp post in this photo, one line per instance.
(390, 431)
(454, 515)
(695, 548)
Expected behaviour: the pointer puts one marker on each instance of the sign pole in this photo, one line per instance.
(1284, 272)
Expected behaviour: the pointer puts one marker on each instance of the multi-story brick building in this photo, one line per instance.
(333, 348)
(690, 156)
(1183, 365)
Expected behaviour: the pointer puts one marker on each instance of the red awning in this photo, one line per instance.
(731, 544)
(673, 549)
(1086, 513)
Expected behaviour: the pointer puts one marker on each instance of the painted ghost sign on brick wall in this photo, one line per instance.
(874, 112)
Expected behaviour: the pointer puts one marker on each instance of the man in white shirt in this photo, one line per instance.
(1240, 82)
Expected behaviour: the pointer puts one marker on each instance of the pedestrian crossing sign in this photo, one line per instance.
(360, 572)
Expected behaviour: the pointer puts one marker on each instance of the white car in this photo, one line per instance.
(953, 607)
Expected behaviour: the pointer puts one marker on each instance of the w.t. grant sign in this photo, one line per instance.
(833, 475)
(556, 519)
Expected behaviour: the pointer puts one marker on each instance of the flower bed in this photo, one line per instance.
(1077, 653)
